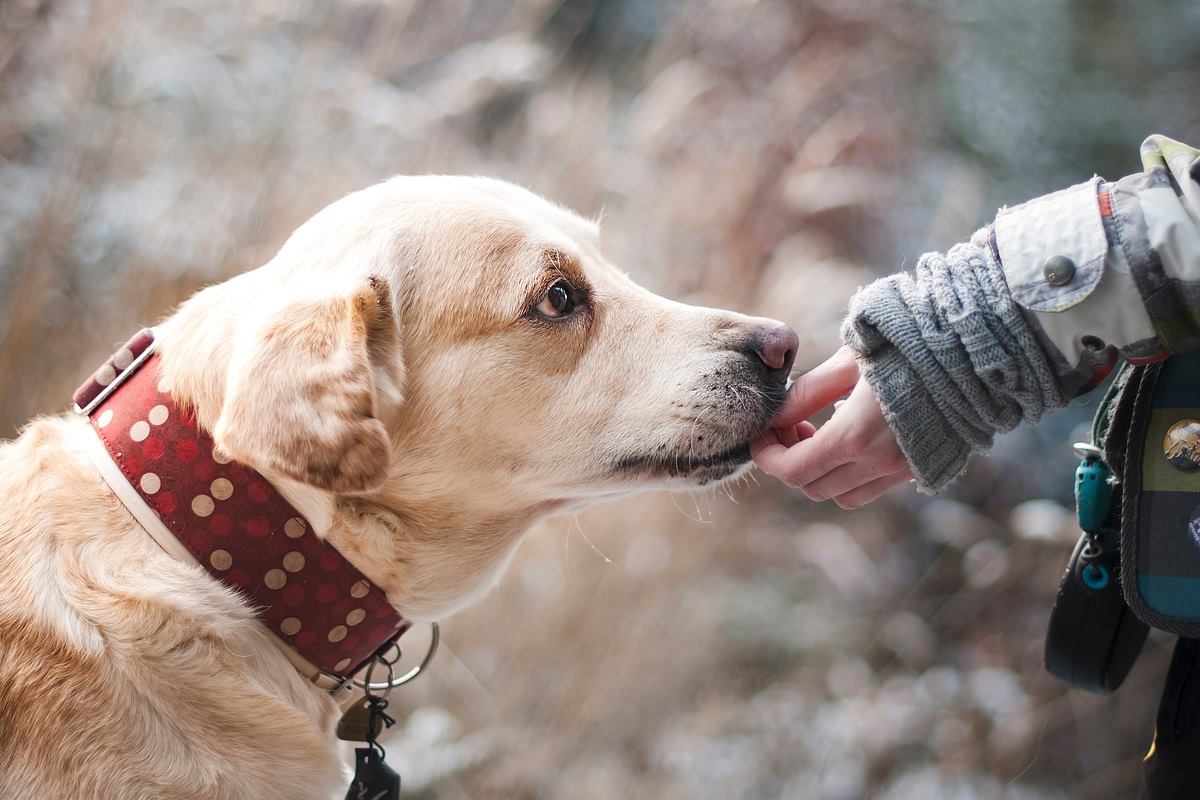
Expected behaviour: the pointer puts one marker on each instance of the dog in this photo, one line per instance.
(426, 368)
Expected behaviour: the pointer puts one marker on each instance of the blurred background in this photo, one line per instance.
(766, 156)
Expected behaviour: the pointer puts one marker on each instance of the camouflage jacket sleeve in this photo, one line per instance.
(1106, 270)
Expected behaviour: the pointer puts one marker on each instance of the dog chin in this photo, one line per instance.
(688, 468)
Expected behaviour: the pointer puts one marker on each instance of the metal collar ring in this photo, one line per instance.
(392, 682)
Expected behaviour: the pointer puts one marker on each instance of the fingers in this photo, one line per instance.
(843, 479)
(871, 491)
(803, 463)
(852, 459)
(787, 436)
(861, 468)
(855, 475)
(819, 387)
(797, 433)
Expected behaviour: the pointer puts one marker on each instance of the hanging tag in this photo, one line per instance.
(358, 723)
(373, 778)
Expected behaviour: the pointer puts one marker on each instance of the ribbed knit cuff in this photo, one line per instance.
(934, 452)
(950, 358)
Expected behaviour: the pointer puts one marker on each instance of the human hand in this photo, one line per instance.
(853, 458)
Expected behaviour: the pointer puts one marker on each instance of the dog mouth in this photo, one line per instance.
(743, 415)
(712, 466)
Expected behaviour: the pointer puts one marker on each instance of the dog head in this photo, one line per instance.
(453, 357)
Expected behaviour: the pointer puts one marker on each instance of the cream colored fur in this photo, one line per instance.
(386, 372)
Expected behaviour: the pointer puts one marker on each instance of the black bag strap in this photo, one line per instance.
(1110, 426)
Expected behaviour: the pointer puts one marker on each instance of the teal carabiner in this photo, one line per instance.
(1093, 488)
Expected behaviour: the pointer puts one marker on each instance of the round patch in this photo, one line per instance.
(123, 358)
(290, 626)
(106, 375)
(202, 505)
(259, 492)
(150, 483)
(221, 560)
(341, 665)
(158, 415)
(154, 448)
(221, 489)
(187, 450)
(360, 589)
(204, 470)
(105, 417)
(356, 616)
(165, 502)
(294, 528)
(337, 633)
(139, 430)
(275, 578)
(293, 561)
(1182, 445)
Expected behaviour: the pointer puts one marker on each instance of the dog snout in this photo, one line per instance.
(775, 346)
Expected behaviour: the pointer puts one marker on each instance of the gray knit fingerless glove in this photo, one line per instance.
(950, 357)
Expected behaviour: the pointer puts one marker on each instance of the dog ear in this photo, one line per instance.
(308, 391)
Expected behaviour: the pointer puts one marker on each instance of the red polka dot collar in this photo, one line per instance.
(231, 521)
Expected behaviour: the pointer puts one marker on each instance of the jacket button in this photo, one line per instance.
(1059, 270)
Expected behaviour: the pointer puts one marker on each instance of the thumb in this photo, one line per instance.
(817, 388)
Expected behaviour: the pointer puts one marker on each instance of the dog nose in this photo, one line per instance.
(776, 346)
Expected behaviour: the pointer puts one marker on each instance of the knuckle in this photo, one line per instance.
(792, 481)
(796, 477)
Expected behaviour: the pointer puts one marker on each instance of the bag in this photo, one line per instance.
(1093, 638)
(1152, 440)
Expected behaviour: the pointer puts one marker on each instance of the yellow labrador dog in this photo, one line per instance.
(426, 368)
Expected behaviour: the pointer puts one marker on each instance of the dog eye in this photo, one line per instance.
(558, 302)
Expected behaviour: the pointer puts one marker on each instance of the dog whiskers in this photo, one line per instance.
(679, 508)
(591, 544)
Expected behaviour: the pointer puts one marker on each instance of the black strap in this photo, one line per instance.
(1110, 426)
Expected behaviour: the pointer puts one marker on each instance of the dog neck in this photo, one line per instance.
(432, 559)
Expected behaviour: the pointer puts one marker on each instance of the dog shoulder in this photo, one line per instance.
(108, 646)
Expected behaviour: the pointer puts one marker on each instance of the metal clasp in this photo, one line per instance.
(373, 687)
(392, 682)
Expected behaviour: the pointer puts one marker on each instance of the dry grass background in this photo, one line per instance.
(766, 156)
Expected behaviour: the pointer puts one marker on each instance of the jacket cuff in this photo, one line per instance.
(935, 453)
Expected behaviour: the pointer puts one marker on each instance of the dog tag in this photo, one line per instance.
(373, 778)
(358, 724)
